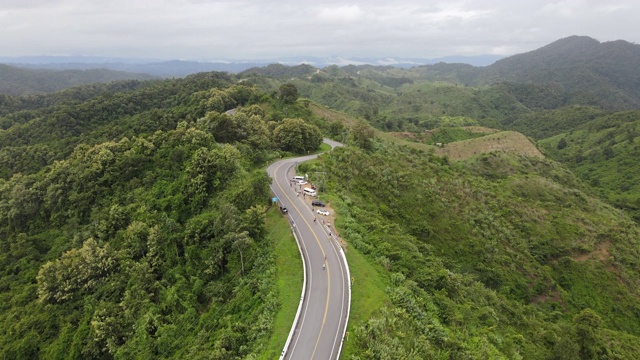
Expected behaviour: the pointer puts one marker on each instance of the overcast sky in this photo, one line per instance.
(265, 29)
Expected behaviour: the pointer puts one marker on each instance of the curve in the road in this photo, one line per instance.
(320, 324)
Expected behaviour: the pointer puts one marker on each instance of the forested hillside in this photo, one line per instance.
(602, 73)
(20, 81)
(604, 152)
(496, 257)
(132, 223)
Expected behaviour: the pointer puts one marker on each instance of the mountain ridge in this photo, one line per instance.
(19, 81)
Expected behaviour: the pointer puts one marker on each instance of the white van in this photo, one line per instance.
(298, 178)
(310, 192)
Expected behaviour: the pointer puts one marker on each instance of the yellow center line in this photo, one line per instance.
(326, 307)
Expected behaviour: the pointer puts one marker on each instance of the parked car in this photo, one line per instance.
(323, 212)
(284, 209)
(317, 203)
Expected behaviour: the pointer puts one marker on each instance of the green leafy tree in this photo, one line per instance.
(288, 93)
(77, 269)
(588, 324)
(363, 135)
(254, 221)
(240, 241)
(608, 152)
(297, 136)
(562, 144)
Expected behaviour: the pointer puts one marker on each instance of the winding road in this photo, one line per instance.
(320, 325)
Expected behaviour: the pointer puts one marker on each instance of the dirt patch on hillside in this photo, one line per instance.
(505, 141)
(551, 296)
(480, 129)
(600, 253)
(425, 135)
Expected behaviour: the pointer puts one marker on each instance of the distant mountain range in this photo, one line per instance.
(20, 81)
(180, 68)
(604, 74)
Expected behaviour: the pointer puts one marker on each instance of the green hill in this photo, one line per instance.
(594, 73)
(578, 64)
(604, 153)
(21, 81)
(496, 257)
(574, 71)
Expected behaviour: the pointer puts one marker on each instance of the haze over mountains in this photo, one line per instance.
(570, 64)
(179, 68)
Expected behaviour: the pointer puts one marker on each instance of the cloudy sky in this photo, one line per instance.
(260, 29)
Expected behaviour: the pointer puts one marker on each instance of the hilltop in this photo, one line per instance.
(600, 73)
(468, 142)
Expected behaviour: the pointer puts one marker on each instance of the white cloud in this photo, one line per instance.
(211, 29)
(340, 14)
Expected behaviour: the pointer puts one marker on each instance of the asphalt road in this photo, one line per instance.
(320, 327)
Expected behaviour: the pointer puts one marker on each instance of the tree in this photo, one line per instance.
(288, 93)
(363, 135)
(77, 269)
(608, 152)
(240, 241)
(297, 136)
(562, 144)
(254, 221)
(588, 324)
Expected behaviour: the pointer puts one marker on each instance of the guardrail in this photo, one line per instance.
(346, 265)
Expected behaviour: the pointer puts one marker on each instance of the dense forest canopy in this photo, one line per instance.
(132, 220)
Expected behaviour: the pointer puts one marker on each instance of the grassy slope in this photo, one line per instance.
(505, 141)
(289, 281)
